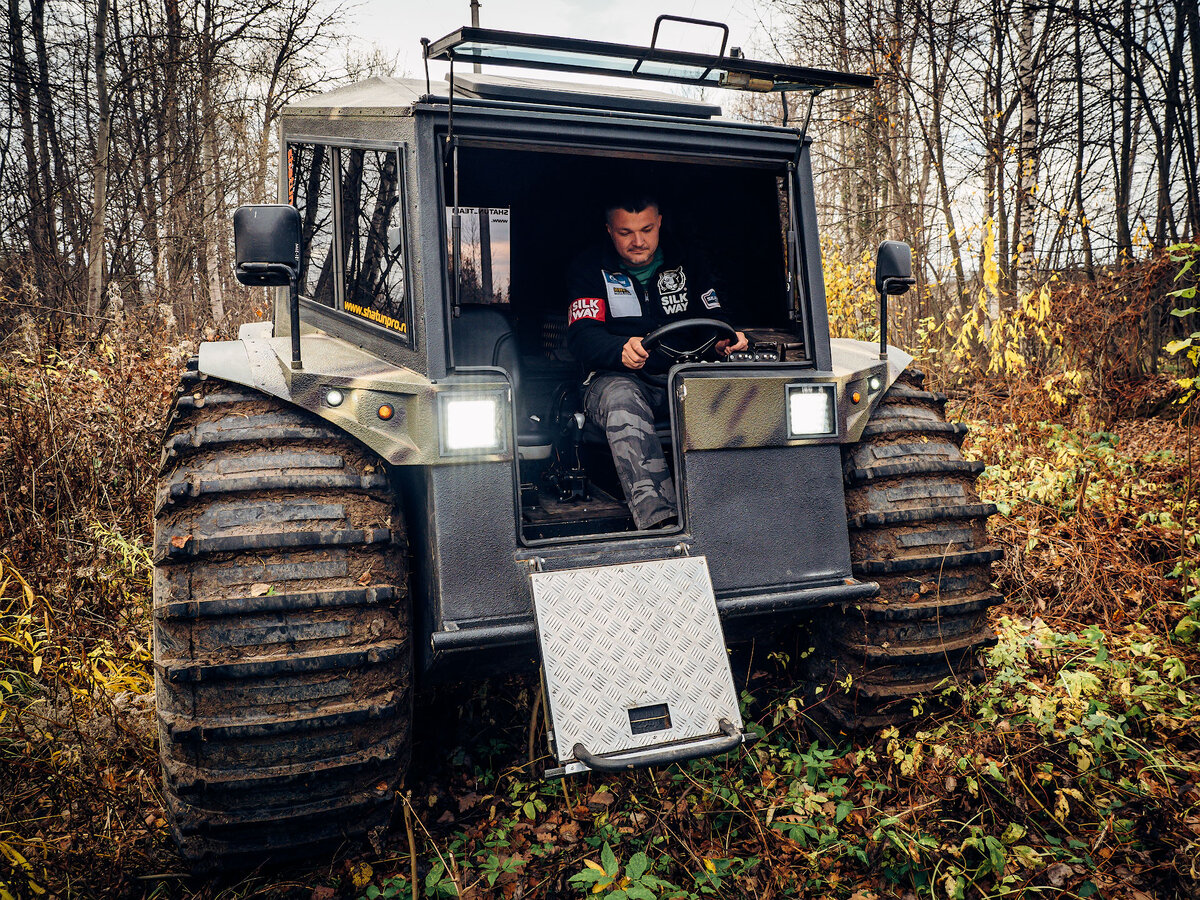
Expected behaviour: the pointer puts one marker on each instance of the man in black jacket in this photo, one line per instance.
(620, 291)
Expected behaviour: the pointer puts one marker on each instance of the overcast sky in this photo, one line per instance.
(397, 26)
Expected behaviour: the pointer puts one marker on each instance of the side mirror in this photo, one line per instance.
(893, 268)
(266, 244)
(266, 253)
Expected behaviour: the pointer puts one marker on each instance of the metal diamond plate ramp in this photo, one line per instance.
(633, 637)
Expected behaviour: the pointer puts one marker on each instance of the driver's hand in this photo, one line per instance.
(632, 354)
(726, 347)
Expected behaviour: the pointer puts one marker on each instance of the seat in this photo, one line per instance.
(554, 344)
(594, 434)
(483, 335)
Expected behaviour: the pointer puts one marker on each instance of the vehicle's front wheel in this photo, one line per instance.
(917, 528)
(283, 660)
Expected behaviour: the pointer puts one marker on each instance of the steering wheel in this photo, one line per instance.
(716, 329)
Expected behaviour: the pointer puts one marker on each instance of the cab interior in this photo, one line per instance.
(733, 215)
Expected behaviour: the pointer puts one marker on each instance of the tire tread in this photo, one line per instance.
(929, 620)
(283, 657)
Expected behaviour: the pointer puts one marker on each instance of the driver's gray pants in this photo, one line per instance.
(625, 407)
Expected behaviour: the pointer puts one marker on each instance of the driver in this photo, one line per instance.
(620, 291)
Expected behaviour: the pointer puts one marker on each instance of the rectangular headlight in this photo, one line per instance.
(811, 410)
(470, 423)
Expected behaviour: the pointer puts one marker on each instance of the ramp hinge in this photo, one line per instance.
(683, 549)
(535, 563)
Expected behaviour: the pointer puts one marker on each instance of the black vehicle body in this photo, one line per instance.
(766, 508)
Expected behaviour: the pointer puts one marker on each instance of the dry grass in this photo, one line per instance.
(78, 450)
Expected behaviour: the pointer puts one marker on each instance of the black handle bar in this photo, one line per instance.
(689, 21)
(679, 753)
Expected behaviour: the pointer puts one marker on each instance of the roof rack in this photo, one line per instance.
(726, 70)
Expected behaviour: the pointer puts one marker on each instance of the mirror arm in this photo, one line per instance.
(883, 294)
(293, 278)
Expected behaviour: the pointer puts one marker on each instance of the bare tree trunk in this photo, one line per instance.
(1165, 227)
(47, 134)
(988, 115)
(263, 188)
(45, 114)
(139, 103)
(170, 152)
(890, 191)
(937, 151)
(1080, 215)
(63, 183)
(209, 173)
(37, 226)
(999, 132)
(1028, 149)
(95, 299)
(211, 227)
(845, 133)
(1190, 140)
(939, 84)
(911, 199)
(1127, 126)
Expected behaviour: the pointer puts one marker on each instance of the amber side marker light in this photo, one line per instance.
(855, 397)
(386, 412)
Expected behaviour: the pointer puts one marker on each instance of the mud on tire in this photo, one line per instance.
(917, 528)
(283, 662)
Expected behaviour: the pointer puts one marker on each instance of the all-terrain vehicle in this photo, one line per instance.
(392, 481)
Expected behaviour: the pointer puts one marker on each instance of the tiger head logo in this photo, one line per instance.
(671, 281)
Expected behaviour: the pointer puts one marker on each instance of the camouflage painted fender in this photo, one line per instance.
(364, 382)
(854, 363)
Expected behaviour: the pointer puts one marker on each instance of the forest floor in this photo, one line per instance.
(1072, 771)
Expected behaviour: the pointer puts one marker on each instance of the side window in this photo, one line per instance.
(310, 190)
(373, 251)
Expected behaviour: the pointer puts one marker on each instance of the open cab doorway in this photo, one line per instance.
(524, 215)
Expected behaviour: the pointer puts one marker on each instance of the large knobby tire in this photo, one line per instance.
(917, 528)
(283, 661)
